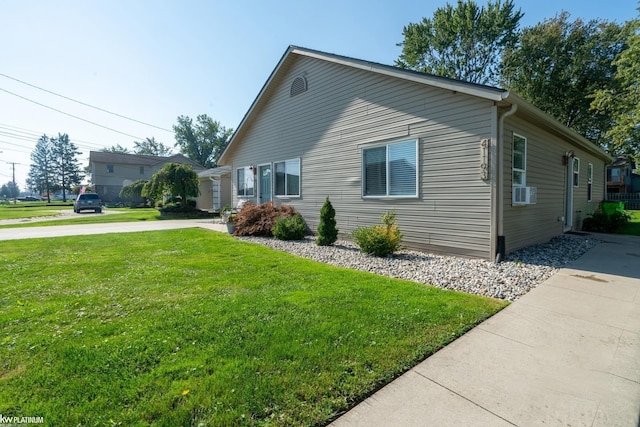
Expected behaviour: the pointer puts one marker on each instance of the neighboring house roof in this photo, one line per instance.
(622, 161)
(140, 159)
(502, 97)
(214, 172)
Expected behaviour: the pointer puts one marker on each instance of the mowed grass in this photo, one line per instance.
(85, 217)
(191, 327)
(633, 227)
(20, 210)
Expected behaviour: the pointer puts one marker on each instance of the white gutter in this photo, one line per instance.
(499, 209)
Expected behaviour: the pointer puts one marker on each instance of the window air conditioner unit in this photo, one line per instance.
(525, 195)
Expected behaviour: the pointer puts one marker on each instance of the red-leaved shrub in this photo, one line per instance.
(258, 220)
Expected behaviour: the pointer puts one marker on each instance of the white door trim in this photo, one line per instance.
(568, 197)
(260, 178)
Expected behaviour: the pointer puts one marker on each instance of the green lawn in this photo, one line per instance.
(633, 228)
(190, 327)
(34, 210)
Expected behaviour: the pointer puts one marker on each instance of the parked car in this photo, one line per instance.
(87, 201)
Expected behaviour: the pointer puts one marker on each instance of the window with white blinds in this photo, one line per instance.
(245, 181)
(287, 178)
(390, 170)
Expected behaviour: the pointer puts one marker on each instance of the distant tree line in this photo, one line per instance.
(202, 140)
(55, 165)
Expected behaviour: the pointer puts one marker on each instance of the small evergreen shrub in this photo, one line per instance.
(380, 240)
(327, 231)
(258, 220)
(602, 222)
(289, 228)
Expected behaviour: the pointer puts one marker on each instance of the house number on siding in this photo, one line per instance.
(484, 155)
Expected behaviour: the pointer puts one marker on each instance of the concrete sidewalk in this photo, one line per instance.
(565, 354)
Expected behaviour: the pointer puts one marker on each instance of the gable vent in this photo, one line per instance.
(298, 86)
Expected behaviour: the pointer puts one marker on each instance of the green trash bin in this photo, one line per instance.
(611, 207)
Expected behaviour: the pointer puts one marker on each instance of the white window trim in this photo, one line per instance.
(576, 182)
(589, 182)
(513, 167)
(246, 169)
(273, 181)
(387, 144)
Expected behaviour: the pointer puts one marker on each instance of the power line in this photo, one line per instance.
(15, 145)
(71, 115)
(35, 135)
(85, 104)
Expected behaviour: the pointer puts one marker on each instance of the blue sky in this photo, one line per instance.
(155, 60)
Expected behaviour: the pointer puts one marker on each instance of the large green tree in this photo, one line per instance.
(203, 140)
(116, 149)
(66, 167)
(559, 64)
(173, 179)
(151, 147)
(41, 176)
(462, 42)
(622, 101)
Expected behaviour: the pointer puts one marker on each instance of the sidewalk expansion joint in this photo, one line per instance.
(465, 398)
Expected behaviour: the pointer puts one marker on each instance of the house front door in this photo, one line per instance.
(215, 195)
(568, 194)
(264, 183)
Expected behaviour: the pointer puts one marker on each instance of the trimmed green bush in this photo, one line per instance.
(605, 222)
(327, 231)
(380, 240)
(289, 228)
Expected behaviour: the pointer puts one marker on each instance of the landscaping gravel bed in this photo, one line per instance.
(515, 276)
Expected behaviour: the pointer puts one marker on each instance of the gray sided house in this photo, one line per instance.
(112, 171)
(470, 170)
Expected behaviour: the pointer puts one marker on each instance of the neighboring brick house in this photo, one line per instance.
(112, 171)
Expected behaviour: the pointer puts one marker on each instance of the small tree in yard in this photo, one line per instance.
(173, 179)
(327, 231)
(133, 190)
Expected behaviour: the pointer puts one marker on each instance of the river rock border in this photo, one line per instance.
(515, 276)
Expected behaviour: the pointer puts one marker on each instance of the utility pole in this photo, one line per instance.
(13, 167)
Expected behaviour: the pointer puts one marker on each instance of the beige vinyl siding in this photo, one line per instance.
(530, 224)
(343, 110)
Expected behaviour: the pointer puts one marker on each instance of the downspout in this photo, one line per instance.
(501, 250)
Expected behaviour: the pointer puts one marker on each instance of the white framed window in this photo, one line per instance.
(589, 181)
(245, 181)
(519, 153)
(390, 170)
(287, 178)
(576, 172)
(109, 168)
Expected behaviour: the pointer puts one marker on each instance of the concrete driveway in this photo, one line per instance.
(565, 354)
